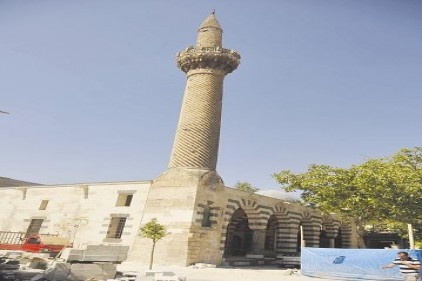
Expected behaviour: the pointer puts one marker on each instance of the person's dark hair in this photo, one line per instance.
(404, 253)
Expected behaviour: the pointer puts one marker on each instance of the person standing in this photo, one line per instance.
(410, 268)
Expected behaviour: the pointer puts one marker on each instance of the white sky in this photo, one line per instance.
(94, 92)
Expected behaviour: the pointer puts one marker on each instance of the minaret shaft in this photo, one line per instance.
(198, 133)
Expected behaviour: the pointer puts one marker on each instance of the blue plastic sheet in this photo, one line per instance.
(352, 264)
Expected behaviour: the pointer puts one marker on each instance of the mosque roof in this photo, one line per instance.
(8, 182)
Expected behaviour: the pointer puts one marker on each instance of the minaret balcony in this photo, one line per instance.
(209, 58)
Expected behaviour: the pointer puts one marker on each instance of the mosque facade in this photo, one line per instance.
(206, 221)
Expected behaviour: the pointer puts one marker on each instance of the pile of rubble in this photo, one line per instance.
(93, 263)
(18, 265)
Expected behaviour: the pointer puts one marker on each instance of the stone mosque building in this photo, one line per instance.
(206, 221)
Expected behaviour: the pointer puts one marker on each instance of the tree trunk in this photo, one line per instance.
(360, 233)
(151, 260)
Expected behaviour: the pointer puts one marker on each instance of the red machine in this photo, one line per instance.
(37, 244)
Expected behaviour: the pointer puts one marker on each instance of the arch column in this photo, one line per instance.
(346, 231)
(258, 240)
(257, 225)
(331, 232)
(286, 236)
(312, 231)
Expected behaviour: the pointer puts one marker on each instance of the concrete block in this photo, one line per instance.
(99, 271)
(58, 271)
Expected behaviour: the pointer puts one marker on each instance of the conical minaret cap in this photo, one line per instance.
(210, 21)
(210, 33)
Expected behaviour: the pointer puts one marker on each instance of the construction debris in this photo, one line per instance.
(92, 264)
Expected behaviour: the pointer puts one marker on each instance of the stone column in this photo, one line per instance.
(286, 239)
(331, 232)
(258, 241)
(311, 232)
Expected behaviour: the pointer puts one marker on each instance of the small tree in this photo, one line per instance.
(154, 231)
(245, 186)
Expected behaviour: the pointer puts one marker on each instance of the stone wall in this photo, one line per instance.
(196, 209)
(96, 202)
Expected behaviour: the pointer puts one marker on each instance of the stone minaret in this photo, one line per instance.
(190, 187)
(205, 65)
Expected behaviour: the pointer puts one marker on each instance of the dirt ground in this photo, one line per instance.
(267, 273)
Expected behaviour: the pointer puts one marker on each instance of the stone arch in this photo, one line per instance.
(239, 234)
(286, 235)
(257, 218)
(311, 225)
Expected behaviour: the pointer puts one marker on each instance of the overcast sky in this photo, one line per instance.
(94, 93)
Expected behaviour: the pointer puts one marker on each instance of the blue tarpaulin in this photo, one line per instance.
(352, 264)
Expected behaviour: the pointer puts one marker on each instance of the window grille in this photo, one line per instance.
(116, 226)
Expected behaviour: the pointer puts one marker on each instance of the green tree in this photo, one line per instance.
(382, 192)
(245, 186)
(154, 231)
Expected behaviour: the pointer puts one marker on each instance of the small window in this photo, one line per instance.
(124, 200)
(116, 226)
(206, 222)
(34, 227)
(43, 205)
